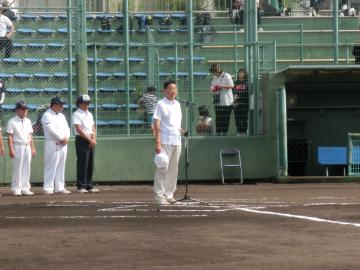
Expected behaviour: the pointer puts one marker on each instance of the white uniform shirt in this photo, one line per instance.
(21, 129)
(55, 126)
(226, 95)
(5, 24)
(169, 114)
(85, 120)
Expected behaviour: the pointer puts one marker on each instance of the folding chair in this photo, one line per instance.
(233, 154)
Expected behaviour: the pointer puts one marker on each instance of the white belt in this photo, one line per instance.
(21, 143)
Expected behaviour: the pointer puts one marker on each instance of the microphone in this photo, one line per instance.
(186, 101)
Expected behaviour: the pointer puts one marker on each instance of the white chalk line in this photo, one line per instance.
(315, 219)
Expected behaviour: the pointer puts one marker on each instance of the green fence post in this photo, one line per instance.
(336, 30)
(95, 85)
(302, 43)
(282, 133)
(70, 64)
(191, 49)
(81, 49)
(127, 65)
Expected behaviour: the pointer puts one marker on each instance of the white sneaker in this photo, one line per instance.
(27, 193)
(64, 191)
(93, 190)
(48, 192)
(162, 201)
(82, 190)
(17, 193)
(171, 200)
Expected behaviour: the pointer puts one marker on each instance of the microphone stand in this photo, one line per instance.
(187, 198)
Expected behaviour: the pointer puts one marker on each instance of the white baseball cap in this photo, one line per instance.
(161, 160)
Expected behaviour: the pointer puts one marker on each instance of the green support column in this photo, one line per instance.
(336, 30)
(127, 65)
(251, 40)
(81, 49)
(282, 133)
(191, 48)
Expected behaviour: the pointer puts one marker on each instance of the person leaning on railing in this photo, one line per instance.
(223, 99)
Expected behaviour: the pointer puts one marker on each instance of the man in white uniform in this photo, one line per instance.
(57, 133)
(167, 127)
(85, 141)
(6, 31)
(21, 149)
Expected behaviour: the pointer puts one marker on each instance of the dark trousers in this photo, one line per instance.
(222, 118)
(241, 117)
(7, 44)
(85, 163)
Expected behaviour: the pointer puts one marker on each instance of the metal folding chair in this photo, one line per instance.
(234, 163)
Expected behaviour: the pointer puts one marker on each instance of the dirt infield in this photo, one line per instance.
(266, 226)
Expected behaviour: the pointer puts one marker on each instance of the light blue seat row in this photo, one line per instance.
(52, 45)
(120, 123)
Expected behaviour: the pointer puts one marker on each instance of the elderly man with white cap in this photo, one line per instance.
(85, 141)
(57, 134)
(21, 149)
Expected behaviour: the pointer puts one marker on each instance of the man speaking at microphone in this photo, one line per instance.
(167, 127)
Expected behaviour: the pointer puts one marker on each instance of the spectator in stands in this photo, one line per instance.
(356, 52)
(148, 101)
(237, 13)
(9, 10)
(221, 86)
(6, 31)
(314, 7)
(204, 124)
(241, 102)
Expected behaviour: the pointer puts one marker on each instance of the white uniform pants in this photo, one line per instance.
(166, 178)
(54, 166)
(21, 168)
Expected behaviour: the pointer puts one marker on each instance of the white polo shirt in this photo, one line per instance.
(5, 24)
(21, 129)
(226, 95)
(85, 120)
(169, 114)
(55, 126)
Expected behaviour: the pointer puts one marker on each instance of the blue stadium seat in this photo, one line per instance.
(63, 30)
(181, 74)
(116, 123)
(139, 75)
(56, 45)
(17, 45)
(106, 31)
(23, 76)
(62, 16)
(198, 58)
(52, 90)
(32, 107)
(136, 59)
(48, 17)
(123, 90)
(72, 59)
(15, 91)
(90, 30)
(33, 91)
(110, 107)
(104, 16)
(102, 123)
(32, 60)
(114, 60)
(173, 59)
(29, 17)
(178, 15)
(119, 75)
(53, 60)
(132, 106)
(66, 107)
(164, 74)
(103, 75)
(182, 30)
(165, 30)
(46, 31)
(108, 90)
(201, 74)
(36, 45)
(91, 90)
(119, 16)
(112, 45)
(136, 123)
(8, 107)
(160, 16)
(25, 31)
(61, 75)
(90, 16)
(91, 60)
(11, 60)
(139, 15)
(42, 76)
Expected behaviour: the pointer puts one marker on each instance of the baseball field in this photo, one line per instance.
(263, 226)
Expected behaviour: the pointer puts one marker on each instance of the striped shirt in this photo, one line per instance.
(149, 102)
